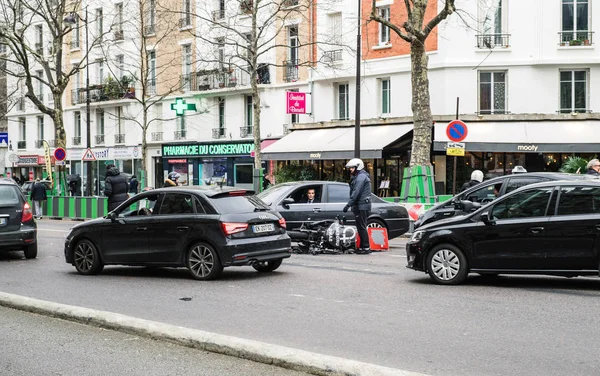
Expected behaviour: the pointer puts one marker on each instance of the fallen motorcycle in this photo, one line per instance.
(330, 236)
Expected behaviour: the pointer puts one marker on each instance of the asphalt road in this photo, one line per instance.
(368, 308)
(31, 344)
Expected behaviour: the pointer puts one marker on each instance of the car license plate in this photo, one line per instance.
(2, 221)
(263, 228)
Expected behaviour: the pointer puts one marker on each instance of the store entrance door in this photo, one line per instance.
(242, 174)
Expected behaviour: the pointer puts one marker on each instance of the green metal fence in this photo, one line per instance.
(75, 207)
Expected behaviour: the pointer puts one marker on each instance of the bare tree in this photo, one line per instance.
(415, 31)
(153, 29)
(34, 34)
(252, 36)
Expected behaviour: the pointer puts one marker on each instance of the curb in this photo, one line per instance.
(261, 352)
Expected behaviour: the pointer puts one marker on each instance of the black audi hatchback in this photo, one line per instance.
(550, 228)
(201, 229)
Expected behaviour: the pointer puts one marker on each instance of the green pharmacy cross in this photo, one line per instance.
(180, 106)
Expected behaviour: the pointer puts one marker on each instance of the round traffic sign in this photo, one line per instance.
(13, 158)
(456, 130)
(60, 154)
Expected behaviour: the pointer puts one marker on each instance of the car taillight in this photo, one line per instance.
(282, 222)
(27, 213)
(230, 228)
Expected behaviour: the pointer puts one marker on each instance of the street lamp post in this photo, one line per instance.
(357, 104)
(70, 19)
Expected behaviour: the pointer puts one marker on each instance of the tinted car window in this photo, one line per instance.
(177, 203)
(137, 207)
(338, 193)
(515, 183)
(8, 195)
(530, 203)
(238, 204)
(272, 193)
(579, 200)
(485, 193)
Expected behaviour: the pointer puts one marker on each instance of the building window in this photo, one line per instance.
(152, 72)
(100, 71)
(100, 122)
(249, 110)
(40, 85)
(149, 29)
(493, 23)
(40, 126)
(77, 119)
(186, 19)
(573, 91)
(221, 102)
(121, 65)
(118, 27)
(75, 34)
(39, 39)
(293, 42)
(22, 133)
(187, 66)
(99, 24)
(343, 100)
(221, 52)
(386, 93)
(492, 92)
(181, 124)
(575, 23)
(384, 31)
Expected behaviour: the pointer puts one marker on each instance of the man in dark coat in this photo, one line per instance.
(115, 187)
(37, 195)
(360, 201)
(133, 185)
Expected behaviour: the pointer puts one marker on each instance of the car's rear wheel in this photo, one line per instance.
(87, 259)
(375, 223)
(203, 262)
(447, 265)
(267, 266)
(31, 251)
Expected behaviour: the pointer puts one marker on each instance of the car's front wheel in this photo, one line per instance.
(267, 266)
(447, 265)
(203, 262)
(87, 259)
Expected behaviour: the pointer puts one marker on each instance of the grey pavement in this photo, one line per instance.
(33, 344)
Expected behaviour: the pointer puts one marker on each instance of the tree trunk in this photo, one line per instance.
(422, 118)
(144, 177)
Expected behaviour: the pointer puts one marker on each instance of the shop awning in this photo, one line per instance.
(571, 136)
(334, 143)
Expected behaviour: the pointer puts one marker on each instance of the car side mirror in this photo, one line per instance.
(286, 202)
(488, 218)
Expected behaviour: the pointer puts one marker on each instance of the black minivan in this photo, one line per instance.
(18, 230)
(550, 228)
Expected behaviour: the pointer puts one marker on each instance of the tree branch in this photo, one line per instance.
(449, 8)
(375, 17)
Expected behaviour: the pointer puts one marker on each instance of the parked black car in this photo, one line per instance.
(290, 199)
(201, 229)
(17, 226)
(550, 228)
(483, 193)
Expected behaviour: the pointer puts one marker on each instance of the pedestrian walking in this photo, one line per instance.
(172, 180)
(476, 178)
(133, 185)
(37, 195)
(115, 187)
(360, 201)
(593, 167)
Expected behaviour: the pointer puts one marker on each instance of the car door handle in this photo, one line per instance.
(141, 229)
(536, 230)
(182, 228)
(316, 210)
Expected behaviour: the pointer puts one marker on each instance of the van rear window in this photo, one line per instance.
(8, 195)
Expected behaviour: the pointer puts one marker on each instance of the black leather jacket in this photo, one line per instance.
(360, 191)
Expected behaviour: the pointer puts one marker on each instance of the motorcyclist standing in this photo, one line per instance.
(360, 201)
(172, 180)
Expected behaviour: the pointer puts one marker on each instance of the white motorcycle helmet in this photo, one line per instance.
(356, 163)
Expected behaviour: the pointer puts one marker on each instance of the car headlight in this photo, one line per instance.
(416, 236)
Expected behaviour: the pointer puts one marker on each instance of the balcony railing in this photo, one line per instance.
(290, 72)
(489, 41)
(246, 131)
(575, 38)
(119, 138)
(218, 14)
(214, 79)
(157, 136)
(180, 135)
(98, 93)
(99, 139)
(219, 132)
(185, 21)
(574, 110)
(119, 35)
(149, 29)
(76, 141)
(332, 56)
(21, 144)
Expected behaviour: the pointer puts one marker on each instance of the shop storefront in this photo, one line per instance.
(27, 166)
(127, 159)
(204, 163)
(496, 147)
(384, 150)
